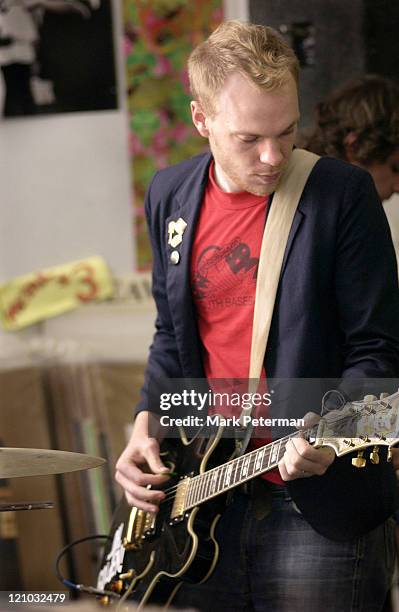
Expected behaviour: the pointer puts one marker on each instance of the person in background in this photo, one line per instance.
(359, 122)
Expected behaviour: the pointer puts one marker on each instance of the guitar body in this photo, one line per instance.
(151, 555)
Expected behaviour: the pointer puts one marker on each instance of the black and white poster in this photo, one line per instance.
(56, 56)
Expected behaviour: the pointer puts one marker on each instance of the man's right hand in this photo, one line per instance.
(140, 467)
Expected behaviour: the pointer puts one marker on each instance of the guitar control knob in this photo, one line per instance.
(359, 461)
(374, 456)
(384, 395)
(117, 586)
(369, 398)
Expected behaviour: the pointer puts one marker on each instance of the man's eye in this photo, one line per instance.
(248, 138)
(395, 168)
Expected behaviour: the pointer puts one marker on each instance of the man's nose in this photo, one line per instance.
(270, 153)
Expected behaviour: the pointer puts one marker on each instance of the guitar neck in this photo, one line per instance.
(237, 471)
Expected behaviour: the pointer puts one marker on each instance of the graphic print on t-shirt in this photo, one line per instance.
(225, 275)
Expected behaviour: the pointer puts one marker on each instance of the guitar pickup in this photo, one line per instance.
(179, 503)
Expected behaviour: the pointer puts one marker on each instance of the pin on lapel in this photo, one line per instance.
(175, 232)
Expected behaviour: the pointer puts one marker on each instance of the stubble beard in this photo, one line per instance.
(233, 175)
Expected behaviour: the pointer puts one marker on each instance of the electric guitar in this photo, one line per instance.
(151, 555)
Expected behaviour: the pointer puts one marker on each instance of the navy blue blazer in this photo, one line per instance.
(336, 313)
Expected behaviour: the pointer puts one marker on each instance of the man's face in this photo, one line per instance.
(386, 175)
(251, 134)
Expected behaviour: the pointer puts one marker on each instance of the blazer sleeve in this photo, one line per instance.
(366, 282)
(163, 361)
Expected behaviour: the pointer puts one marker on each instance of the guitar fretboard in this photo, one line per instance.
(233, 473)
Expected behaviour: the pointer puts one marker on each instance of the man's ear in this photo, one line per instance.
(349, 141)
(199, 118)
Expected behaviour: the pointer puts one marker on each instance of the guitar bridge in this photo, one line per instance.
(179, 503)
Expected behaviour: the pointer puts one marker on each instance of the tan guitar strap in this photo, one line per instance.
(274, 242)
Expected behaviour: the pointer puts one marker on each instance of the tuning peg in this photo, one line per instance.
(384, 395)
(369, 398)
(359, 461)
(374, 457)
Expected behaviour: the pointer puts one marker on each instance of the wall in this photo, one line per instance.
(339, 52)
(65, 188)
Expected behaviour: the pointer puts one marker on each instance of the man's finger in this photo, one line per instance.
(154, 460)
(131, 472)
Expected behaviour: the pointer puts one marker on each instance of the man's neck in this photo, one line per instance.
(223, 182)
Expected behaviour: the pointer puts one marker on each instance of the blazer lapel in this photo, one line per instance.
(189, 199)
(299, 217)
(296, 222)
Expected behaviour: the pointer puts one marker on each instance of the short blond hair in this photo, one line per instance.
(256, 51)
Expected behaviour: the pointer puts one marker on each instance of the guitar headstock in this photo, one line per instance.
(358, 425)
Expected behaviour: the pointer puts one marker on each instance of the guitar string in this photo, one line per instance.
(169, 499)
(169, 492)
(307, 433)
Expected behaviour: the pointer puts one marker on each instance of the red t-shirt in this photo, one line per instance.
(224, 265)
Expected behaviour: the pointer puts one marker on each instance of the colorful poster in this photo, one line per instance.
(159, 36)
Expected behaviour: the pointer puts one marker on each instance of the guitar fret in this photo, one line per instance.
(227, 477)
(259, 458)
(274, 455)
(223, 478)
(207, 477)
(195, 492)
(244, 469)
(205, 486)
(219, 469)
(214, 479)
(236, 479)
(201, 488)
(252, 462)
(192, 491)
(188, 498)
(280, 452)
(239, 468)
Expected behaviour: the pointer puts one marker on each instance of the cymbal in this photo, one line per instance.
(15, 462)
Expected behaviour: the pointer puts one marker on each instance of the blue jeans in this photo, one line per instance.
(280, 564)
